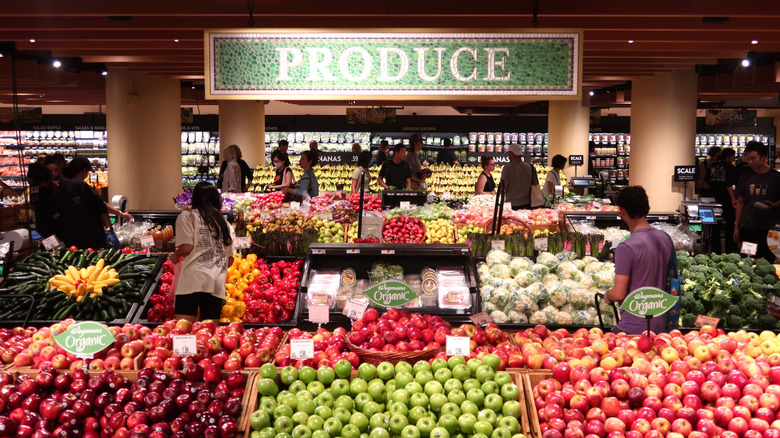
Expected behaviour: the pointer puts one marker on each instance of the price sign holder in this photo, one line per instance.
(243, 242)
(405, 205)
(749, 248)
(522, 215)
(51, 243)
(319, 314)
(266, 214)
(703, 320)
(507, 206)
(458, 346)
(648, 303)
(185, 345)
(146, 243)
(301, 349)
(285, 211)
(354, 309)
(498, 245)
(294, 206)
(540, 244)
(481, 319)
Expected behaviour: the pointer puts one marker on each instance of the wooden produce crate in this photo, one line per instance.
(517, 377)
(530, 380)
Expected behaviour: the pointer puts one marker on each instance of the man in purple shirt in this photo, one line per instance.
(640, 261)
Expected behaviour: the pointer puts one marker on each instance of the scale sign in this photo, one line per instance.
(301, 349)
(390, 293)
(684, 173)
(185, 345)
(648, 301)
(576, 160)
(458, 346)
(85, 339)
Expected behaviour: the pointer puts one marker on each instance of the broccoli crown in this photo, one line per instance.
(770, 279)
(764, 269)
(731, 258)
(765, 321)
(688, 319)
(735, 321)
(701, 259)
(728, 269)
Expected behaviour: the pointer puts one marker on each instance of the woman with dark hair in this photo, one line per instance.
(554, 176)
(205, 242)
(485, 183)
(308, 183)
(284, 177)
(234, 174)
(381, 154)
(364, 160)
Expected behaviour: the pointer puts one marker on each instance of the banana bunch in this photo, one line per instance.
(90, 280)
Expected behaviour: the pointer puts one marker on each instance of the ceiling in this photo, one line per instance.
(165, 37)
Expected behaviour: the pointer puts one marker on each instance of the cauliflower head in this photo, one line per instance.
(497, 257)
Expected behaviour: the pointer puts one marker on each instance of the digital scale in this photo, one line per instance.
(701, 215)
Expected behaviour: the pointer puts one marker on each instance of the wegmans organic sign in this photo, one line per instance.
(648, 301)
(251, 64)
(85, 338)
(390, 294)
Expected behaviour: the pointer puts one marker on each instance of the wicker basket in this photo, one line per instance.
(422, 225)
(522, 224)
(377, 357)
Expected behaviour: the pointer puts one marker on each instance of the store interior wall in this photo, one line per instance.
(568, 124)
(243, 123)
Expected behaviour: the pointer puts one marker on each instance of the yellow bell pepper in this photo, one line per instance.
(228, 310)
(238, 296)
(240, 309)
(251, 258)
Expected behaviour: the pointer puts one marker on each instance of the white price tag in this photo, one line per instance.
(749, 248)
(285, 211)
(265, 214)
(301, 349)
(185, 345)
(498, 245)
(51, 243)
(295, 206)
(93, 178)
(319, 314)
(355, 309)
(507, 206)
(458, 346)
(540, 244)
(388, 251)
(606, 201)
(353, 251)
(522, 215)
(446, 195)
(242, 242)
(147, 241)
(405, 205)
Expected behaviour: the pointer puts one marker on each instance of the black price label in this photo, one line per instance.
(576, 160)
(684, 173)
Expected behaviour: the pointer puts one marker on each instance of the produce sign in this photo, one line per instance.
(648, 301)
(390, 294)
(85, 339)
(248, 64)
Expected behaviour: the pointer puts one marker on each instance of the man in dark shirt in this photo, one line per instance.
(446, 155)
(396, 173)
(758, 200)
(281, 152)
(82, 214)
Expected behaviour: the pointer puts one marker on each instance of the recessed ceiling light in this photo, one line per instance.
(32, 40)
(592, 93)
(745, 62)
(1, 55)
(176, 40)
(630, 41)
(754, 42)
(104, 73)
(56, 63)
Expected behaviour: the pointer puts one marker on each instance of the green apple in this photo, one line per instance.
(512, 408)
(490, 387)
(268, 404)
(425, 425)
(268, 432)
(325, 399)
(509, 423)
(323, 412)
(256, 434)
(452, 385)
(398, 408)
(438, 363)
(488, 416)
(440, 432)
(332, 426)
(416, 413)
(300, 417)
(259, 420)
(419, 399)
(306, 406)
(345, 402)
(359, 420)
(366, 371)
(400, 396)
(483, 427)
(342, 414)
(455, 360)
(268, 371)
(290, 400)
(391, 386)
(357, 386)
(433, 387)
(315, 388)
(501, 432)
(494, 402)
(339, 387)
(484, 373)
(469, 407)
(456, 396)
(301, 431)
(476, 396)
(510, 391)
(343, 368)
(287, 375)
(350, 431)
(371, 408)
(326, 375)
(385, 371)
(283, 424)
(423, 377)
(413, 388)
(315, 422)
(297, 386)
(379, 432)
(378, 420)
(476, 435)
(421, 365)
(281, 394)
(283, 435)
(442, 375)
(307, 374)
(470, 384)
(466, 423)
(437, 401)
(377, 391)
(473, 364)
(410, 431)
(502, 378)
(450, 408)
(267, 386)
(461, 372)
(303, 395)
(282, 411)
(403, 378)
(448, 422)
(397, 424)
(403, 367)
(319, 434)
(361, 400)
(492, 360)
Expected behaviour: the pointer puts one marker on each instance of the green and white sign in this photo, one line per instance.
(648, 301)
(251, 64)
(390, 293)
(85, 339)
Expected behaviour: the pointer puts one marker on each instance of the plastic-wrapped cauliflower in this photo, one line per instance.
(540, 270)
(483, 270)
(563, 318)
(497, 294)
(559, 297)
(566, 270)
(517, 317)
(581, 298)
(499, 316)
(590, 268)
(550, 313)
(593, 312)
(547, 259)
(522, 303)
(538, 292)
(568, 308)
(525, 278)
(579, 264)
(485, 292)
(589, 259)
(495, 281)
(569, 286)
(581, 277)
(581, 317)
(510, 284)
(551, 281)
(565, 256)
(538, 318)
(504, 300)
(532, 310)
(497, 257)
(488, 307)
(608, 318)
(604, 279)
(518, 264)
(500, 271)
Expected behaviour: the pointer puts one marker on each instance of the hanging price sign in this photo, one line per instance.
(242, 242)
(301, 349)
(458, 346)
(405, 205)
(185, 345)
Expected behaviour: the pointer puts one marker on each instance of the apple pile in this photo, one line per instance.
(329, 349)
(490, 340)
(403, 229)
(370, 202)
(196, 402)
(443, 399)
(399, 330)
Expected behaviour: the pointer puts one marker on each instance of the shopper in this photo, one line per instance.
(308, 184)
(364, 160)
(396, 173)
(446, 155)
(640, 261)
(758, 200)
(284, 176)
(703, 181)
(554, 176)
(56, 164)
(314, 147)
(205, 245)
(722, 181)
(356, 149)
(82, 216)
(281, 152)
(43, 193)
(485, 183)
(413, 160)
(518, 178)
(234, 174)
(381, 154)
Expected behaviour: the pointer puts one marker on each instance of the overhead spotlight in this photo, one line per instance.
(592, 93)
(630, 41)
(56, 63)
(745, 62)
(176, 40)
(32, 40)
(104, 73)
(754, 42)
(1, 55)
